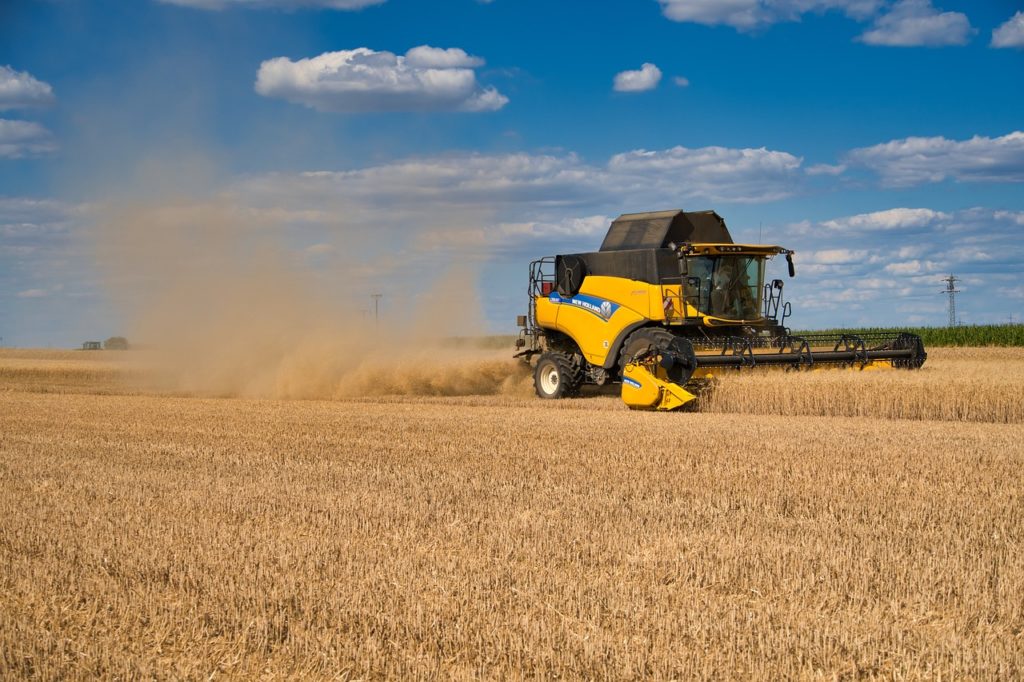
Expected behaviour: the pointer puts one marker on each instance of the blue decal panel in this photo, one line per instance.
(592, 304)
(631, 382)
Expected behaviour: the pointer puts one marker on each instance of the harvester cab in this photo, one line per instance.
(670, 297)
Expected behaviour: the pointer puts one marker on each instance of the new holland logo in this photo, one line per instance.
(597, 306)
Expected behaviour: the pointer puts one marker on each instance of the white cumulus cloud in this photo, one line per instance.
(917, 160)
(834, 256)
(1015, 217)
(20, 90)
(748, 15)
(516, 184)
(910, 267)
(717, 173)
(1010, 34)
(462, 182)
(19, 139)
(279, 4)
(890, 219)
(901, 23)
(427, 57)
(916, 23)
(523, 204)
(511, 237)
(646, 78)
(660, 177)
(826, 169)
(361, 80)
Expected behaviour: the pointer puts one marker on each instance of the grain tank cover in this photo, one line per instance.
(656, 229)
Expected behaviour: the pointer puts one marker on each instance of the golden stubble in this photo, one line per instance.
(417, 536)
(955, 385)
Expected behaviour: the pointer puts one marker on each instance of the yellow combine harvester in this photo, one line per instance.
(669, 298)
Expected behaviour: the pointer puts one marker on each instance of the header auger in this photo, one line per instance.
(669, 298)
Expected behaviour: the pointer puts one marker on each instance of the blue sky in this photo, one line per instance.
(375, 139)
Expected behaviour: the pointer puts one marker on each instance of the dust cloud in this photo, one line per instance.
(226, 303)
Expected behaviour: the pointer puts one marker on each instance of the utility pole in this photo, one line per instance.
(952, 291)
(376, 309)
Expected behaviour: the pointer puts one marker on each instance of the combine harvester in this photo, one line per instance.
(669, 298)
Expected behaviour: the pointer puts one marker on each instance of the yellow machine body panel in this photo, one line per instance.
(597, 315)
(605, 306)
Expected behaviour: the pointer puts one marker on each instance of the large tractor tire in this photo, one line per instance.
(558, 375)
(643, 340)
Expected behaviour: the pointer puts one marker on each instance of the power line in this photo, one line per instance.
(951, 291)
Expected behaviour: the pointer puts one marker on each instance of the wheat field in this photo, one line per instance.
(437, 527)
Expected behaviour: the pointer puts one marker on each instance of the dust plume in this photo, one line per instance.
(226, 305)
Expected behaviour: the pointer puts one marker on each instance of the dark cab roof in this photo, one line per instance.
(655, 230)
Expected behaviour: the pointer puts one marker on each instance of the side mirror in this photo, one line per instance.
(792, 268)
(520, 343)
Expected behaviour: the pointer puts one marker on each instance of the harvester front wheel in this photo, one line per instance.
(557, 375)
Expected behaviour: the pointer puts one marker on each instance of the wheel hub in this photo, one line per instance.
(549, 380)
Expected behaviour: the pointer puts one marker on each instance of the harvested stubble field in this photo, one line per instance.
(430, 535)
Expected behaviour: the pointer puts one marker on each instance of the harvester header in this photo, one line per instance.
(670, 296)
